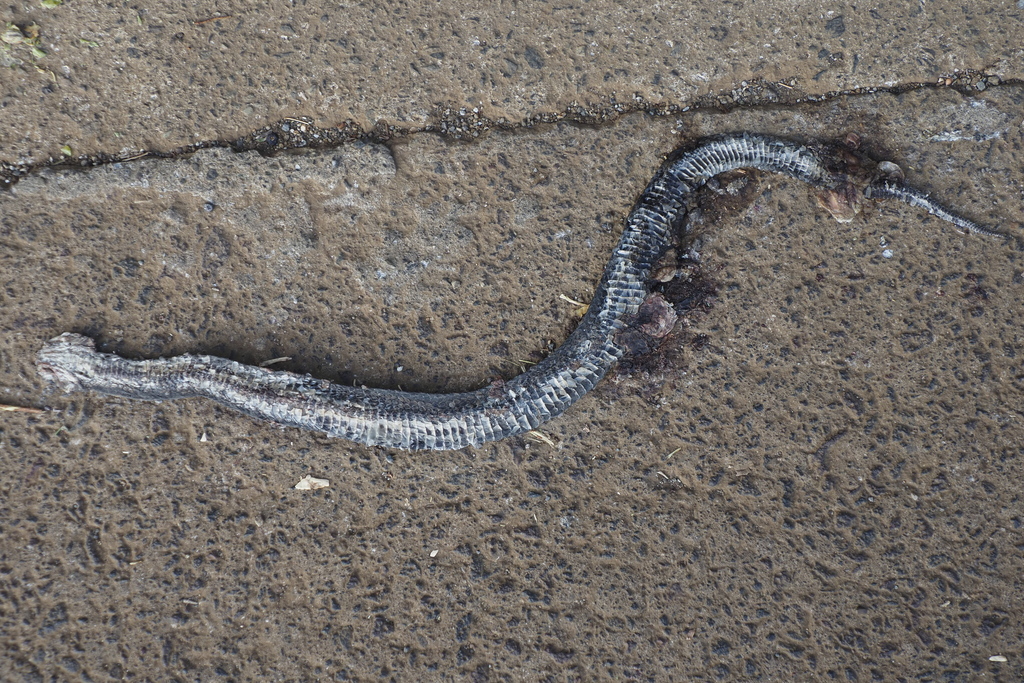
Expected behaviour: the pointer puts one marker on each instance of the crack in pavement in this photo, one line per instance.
(462, 123)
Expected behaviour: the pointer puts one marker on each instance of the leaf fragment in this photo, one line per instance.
(308, 483)
(12, 35)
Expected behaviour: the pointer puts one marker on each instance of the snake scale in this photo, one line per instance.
(405, 420)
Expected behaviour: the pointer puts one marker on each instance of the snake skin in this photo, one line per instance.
(398, 419)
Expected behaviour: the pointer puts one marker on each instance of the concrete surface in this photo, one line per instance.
(829, 488)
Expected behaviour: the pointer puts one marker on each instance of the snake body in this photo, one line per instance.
(405, 420)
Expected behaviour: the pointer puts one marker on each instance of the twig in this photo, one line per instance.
(20, 409)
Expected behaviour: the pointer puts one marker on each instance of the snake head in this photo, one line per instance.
(63, 359)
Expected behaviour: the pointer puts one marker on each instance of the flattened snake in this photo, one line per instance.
(399, 419)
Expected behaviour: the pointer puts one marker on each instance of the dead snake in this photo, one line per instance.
(399, 419)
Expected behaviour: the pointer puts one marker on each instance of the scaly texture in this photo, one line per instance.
(887, 188)
(398, 419)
